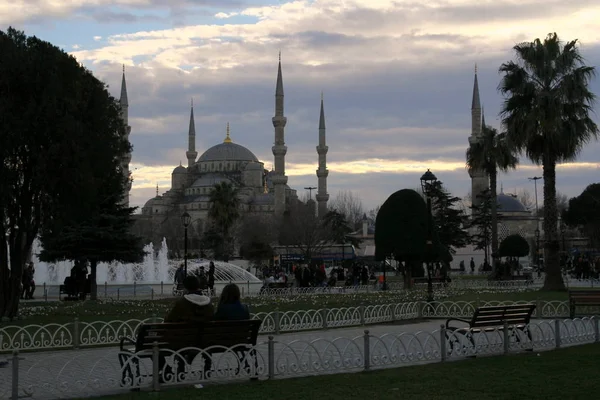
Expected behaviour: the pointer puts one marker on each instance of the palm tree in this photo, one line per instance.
(224, 211)
(491, 154)
(547, 116)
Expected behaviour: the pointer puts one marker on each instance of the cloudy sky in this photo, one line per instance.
(396, 75)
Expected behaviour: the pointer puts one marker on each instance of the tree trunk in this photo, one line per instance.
(17, 249)
(93, 284)
(408, 266)
(494, 218)
(551, 245)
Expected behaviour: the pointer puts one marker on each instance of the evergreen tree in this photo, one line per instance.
(449, 220)
(61, 142)
(481, 220)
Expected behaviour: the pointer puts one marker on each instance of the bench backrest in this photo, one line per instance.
(497, 315)
(584, 296)
(178, 335)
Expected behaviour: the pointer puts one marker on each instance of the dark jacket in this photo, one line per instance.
(232, 312)
(193, 307)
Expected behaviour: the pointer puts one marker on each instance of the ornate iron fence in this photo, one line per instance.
(79, 334)
(90, 372)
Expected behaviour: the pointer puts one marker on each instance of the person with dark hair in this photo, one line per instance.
(230, 307)
(193, 306)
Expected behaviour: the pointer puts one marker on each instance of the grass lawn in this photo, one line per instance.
(61, 312)
(562, 374)
(528, 295)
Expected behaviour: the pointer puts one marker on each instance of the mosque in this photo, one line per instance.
(259, 190)
(268, 193)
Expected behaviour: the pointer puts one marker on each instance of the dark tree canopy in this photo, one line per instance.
(514, 246)
(402, 227)
(584, 212)
(61, 139)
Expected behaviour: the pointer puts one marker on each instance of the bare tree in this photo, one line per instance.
(527, 199)
(372, 214)
(348, 204)
(304, 231)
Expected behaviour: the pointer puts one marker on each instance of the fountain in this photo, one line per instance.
(155, 270)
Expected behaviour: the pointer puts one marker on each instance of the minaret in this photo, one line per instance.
(279, 149)
(322, 172)
(191, 154)
(479, 179)
(124, 103)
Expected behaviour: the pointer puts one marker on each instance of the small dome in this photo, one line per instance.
(228, 151)
(154, 201)
(509, 204)
(180, 170)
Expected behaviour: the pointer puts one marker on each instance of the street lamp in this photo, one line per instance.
(428, 181)
(537, 250)
(563, 229)
(185, 220)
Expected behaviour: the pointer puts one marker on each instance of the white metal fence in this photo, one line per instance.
(57, 376)
(79, 334)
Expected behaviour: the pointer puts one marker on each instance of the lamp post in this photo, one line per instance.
(563, 229)
(185, 220)
(537, 250)
(428, 181)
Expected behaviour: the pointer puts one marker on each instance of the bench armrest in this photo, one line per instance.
(457, 319)
(122, 342)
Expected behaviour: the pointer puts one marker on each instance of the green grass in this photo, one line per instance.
(530, 295)
(470, 277)
(61, 312)
(571, 373)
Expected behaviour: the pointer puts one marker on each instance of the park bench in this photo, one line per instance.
(584, 298)
(492, 319)
(234, 337)
(72, 290)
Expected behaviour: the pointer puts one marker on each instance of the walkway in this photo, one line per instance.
(96, 372)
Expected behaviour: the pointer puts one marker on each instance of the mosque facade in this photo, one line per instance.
(260, 191)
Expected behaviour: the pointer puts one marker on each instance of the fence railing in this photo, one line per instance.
(79, 334)
(57, 376)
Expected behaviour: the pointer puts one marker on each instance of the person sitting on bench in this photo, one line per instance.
(230, 307)
(193, 306)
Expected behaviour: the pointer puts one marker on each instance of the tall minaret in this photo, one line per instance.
(124, 103)
(322, 172)
(479, 179)
(279, 149)
(191, 154)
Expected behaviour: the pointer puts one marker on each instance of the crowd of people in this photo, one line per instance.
(316, 275)
(584, 266)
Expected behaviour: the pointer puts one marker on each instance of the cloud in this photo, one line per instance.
(396, 75)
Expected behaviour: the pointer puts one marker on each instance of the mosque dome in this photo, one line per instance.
(228, 151)
(180, 170)
(509, 204)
